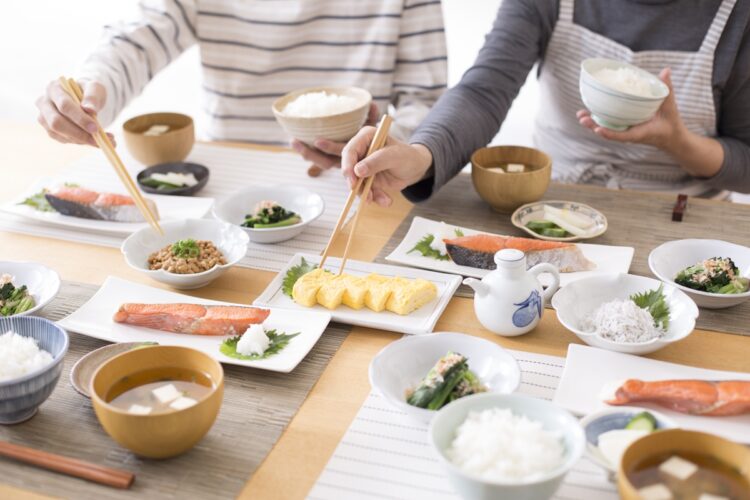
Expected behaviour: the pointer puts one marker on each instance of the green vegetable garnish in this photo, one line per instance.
(423, 247)
(186, 249)
(151, 182)
(715, 275)
(276, 216)
(14, 300)
(448, 380)
(459, 233)
(278, 342)
(655, 303)
(294, 273)
(643, 421)
(547, 228)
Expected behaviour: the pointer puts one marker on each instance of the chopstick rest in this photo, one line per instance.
(679, 208)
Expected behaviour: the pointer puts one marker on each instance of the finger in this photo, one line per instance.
(94, 97)
(50, 133)
(355, 150)
(582, 113)
(588, 122)
(380, 160)
(68, 108)
(61, 125)
(320, 159)
(330, 147)
(381, 197)
(633, 134)
(111, 139)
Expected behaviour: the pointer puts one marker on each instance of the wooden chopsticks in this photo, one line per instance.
(378, 141)
(70, 466)
(102, 140)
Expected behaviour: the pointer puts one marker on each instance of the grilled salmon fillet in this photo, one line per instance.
(193, 319)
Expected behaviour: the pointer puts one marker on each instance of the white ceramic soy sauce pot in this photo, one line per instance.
(510, 300)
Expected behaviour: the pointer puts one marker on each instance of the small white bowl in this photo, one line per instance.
(42, 282)
(229, 239)
(304, 202)
(553, 418)
(535, 212)
(611, 108)
(614, 418)
(670, 258)
(577, 299)
(401, 365)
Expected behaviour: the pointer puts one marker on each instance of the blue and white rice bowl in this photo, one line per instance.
(21, 397)
(612, 108)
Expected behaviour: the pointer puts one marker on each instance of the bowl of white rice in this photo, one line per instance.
(620, 95)
(31, 360)
(506, 446)
(333, 113)
(600, 311)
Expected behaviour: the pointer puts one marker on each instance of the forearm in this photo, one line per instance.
(700, 156)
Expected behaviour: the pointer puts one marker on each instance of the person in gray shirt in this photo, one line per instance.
(698, 142)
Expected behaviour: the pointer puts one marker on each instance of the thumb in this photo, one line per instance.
(383, 159)
(94, 97)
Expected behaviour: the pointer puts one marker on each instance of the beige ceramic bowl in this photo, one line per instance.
(678, 440)
(171, 146)
(339, 127)
(160, 435)
(503, 191)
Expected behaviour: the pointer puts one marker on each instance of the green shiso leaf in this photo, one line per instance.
(655, 303)
(295, 273)
(423, 247)
(39, 202)
(459, 233)
(278, 342)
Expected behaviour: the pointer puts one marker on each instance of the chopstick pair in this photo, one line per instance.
(102, 140)
(70, 466)
(378, 141)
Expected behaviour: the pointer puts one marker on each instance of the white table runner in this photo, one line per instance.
(385, 454)
(231, 169)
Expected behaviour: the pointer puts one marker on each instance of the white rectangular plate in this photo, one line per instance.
(94, 319)
(608, 259)
(420, 321)
(170, 207)
(590, 374)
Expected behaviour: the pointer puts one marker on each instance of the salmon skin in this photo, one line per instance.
(88, 204)
(479, 251)
(696, 397)
(193, 319)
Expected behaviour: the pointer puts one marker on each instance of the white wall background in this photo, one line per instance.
(43, 39)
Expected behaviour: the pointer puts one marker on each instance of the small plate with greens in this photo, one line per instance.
(625, 313)
(179, 178)
(420, 374)
(26, 287)
(560, 220)
(271, 214)
(714, 273)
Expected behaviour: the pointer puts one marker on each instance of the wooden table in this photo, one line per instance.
(292, 467)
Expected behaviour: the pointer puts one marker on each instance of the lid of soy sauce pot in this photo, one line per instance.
(509, 258)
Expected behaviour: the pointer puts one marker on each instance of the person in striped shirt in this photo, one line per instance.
(256, 51)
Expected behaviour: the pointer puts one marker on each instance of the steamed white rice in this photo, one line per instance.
(314, 104)
(20, 355)
(497, 445)
(625, 80)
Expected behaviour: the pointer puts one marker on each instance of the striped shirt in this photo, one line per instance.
(253, 52)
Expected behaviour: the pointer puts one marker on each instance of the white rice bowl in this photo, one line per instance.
(20, 356)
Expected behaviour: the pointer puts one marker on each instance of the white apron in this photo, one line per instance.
(579, 155)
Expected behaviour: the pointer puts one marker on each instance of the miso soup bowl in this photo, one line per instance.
(158, 435)
(673, 441)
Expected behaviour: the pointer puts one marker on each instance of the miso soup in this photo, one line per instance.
(159, 390)
(687, 476)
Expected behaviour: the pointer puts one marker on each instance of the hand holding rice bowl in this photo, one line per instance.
(620, 95)
(333, 113)
(554, 437)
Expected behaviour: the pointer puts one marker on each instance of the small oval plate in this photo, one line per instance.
(200, 172)
(535, 211)
(83, 371)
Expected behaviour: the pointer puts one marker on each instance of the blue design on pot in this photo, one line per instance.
(528, 310)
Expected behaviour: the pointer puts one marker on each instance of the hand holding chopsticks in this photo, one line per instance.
(378, 141)
(102, 140)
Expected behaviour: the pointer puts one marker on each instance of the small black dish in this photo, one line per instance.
(199, 171)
